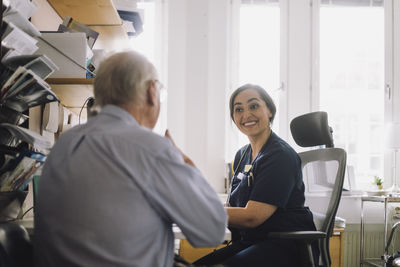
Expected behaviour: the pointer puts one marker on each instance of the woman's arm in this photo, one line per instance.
(254, 214)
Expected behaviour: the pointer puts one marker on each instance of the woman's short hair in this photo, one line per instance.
(123, 78)
(263, 94)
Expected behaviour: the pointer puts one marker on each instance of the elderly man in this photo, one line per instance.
(111, 188)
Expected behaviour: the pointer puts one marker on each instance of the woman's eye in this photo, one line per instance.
(253, 106)
(238, 109)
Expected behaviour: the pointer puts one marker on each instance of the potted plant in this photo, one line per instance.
(378, 181)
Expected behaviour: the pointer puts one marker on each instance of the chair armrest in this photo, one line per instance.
(305, 235)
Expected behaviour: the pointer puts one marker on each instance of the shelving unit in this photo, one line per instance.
(13, 199)
(103, 18)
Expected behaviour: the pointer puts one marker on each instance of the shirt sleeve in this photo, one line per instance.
(183, 196)
(275, 178)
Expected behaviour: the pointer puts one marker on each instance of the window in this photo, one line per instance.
(351, 81)
(148, 43)
(145, 41)
(258, 55)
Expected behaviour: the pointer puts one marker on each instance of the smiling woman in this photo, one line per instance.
(267, 192)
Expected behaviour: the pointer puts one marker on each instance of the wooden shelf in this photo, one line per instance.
(89, 12)
(72, 96)
(69, 81)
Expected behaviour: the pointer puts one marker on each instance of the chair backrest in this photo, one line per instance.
(323, 166)
(312, 129)
(15, 246)
(330, 162)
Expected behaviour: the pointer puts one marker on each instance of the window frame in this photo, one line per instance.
(280, 124)
(389, 66)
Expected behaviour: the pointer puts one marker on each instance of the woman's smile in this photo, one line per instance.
(249, 123)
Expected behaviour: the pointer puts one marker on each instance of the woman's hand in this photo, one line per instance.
(254, 214)
(186, 159)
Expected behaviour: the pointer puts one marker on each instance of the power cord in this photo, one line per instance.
(26, 212)
(83, 106)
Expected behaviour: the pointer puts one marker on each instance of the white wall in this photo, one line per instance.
(197, 81)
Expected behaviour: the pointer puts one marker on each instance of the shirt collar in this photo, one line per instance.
(120, 113)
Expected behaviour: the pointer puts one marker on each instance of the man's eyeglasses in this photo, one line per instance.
(163, 90)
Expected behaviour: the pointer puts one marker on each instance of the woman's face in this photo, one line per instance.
(250, 113)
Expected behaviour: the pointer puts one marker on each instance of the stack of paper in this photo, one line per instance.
(22, 86)
(17, 178)
(42, 65)
(16, 39)
(22, 73)
(24, 168)
(24, 135)
(25, 89)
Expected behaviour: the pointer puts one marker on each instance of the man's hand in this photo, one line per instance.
(185, 158)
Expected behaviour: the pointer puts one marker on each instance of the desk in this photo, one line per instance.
(189, 253)
(336, 244)
(380, 199)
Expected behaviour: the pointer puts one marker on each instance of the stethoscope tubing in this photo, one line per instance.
(234, 174)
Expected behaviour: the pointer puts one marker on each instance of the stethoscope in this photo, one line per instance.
(250, 177)
(234, 174)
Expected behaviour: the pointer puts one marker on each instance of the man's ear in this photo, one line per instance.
(151, 94)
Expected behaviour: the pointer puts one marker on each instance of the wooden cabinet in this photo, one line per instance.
(191, 254)
(336, 247)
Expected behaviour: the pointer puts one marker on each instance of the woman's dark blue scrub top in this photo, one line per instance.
(274, 177)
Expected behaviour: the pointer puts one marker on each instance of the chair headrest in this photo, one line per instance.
(312, 129)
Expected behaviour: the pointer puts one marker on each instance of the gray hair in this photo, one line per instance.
(123, 78)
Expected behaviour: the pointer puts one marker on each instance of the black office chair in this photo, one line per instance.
(325, 164)
(15, 246)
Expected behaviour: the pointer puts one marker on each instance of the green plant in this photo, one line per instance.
(378, 181)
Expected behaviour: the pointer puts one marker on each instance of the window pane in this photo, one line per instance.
(144, 42)
(259, 51)
(351, 83)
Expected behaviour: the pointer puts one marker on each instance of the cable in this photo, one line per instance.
(70, 106)
(28, 210)
(84, 104)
